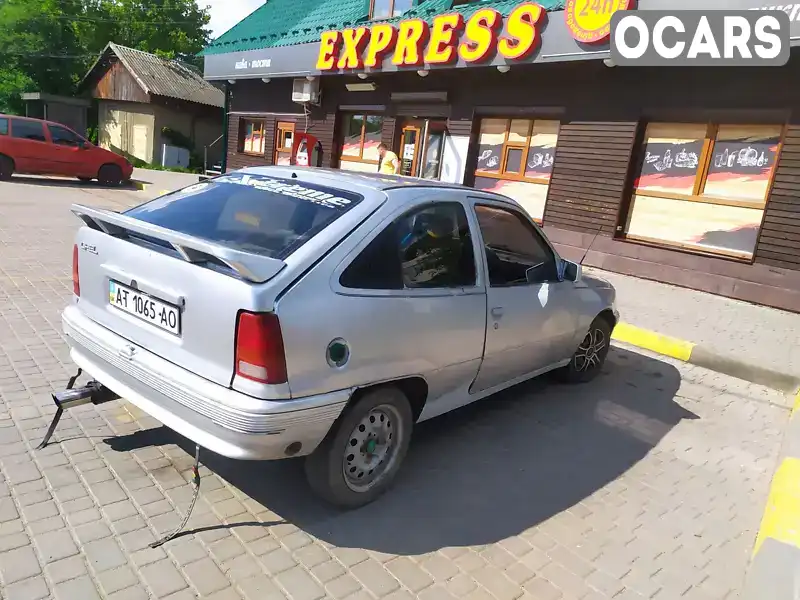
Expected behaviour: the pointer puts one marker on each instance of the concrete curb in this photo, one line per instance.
(702, 356)
(143, 187)
(774, 571)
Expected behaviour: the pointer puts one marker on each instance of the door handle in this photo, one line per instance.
(497, 312)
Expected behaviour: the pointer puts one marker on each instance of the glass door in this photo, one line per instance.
(422, 147)
(409, 150)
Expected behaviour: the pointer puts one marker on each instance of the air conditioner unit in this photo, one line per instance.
(305, 91)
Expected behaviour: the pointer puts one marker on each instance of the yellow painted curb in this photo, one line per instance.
(796, 406)
(782, 515)
(655, 342)
(139, 185)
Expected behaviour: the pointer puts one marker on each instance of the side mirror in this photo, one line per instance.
(572, 271)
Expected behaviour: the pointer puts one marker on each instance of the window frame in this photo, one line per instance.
(391, 14)
(281, 129)
(243, 134)
(388, 221)
(525, 146)
(531, 225)
(360, 158)
(701, 178)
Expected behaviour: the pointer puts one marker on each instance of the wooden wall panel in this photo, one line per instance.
(589, 176)
(779, 241)
(118, 84)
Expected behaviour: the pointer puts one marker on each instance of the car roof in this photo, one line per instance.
(365, 181)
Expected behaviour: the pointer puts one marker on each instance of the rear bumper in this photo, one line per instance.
(218, 418)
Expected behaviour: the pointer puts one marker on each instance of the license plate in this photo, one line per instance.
(161, 314)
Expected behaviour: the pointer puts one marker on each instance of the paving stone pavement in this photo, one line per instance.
(648, 483)
(763, 336)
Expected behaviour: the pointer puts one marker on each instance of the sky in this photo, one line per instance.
(226, 13)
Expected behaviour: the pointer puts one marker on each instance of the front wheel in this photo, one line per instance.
(361, 455)
(110, 175)
(589, 358)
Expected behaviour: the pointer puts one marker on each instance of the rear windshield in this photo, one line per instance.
(253, 213)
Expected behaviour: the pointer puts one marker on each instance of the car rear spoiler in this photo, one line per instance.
(251, 267)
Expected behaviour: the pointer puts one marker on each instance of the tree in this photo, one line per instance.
(48, 45)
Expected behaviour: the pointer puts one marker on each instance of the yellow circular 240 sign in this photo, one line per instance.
(589, 21)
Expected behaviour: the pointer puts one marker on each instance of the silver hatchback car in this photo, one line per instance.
(278, 312)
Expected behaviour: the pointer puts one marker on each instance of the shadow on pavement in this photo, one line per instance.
(59, 182)
(483, 473)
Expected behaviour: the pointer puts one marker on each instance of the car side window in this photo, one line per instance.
(428, 247)
(513, 248)
(62, 136)
(27, 130)
(3, 126)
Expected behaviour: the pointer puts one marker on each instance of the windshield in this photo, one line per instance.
(253, 213)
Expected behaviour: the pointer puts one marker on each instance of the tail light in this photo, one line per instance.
(259, 348)
(76, 284)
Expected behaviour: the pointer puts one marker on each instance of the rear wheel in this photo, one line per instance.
(6, 168)
(361, 455)
(589, 358)
(110, 175)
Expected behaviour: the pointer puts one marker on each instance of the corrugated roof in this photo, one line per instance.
(162, 77)
(291, 22)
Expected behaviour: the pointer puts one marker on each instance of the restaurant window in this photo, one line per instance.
(515, 158)
(362, 136)
(284, 139)
(704, 187)
(386, 9)
(252, 139)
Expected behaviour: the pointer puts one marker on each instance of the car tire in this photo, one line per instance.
(6, 168)
(110, 175)
(373, 433)
(589, 358)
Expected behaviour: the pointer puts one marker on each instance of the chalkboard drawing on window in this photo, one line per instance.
(542, 149)
(743, 161)
(671, 157)
(490, 144)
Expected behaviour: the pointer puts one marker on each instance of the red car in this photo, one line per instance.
(37, 147)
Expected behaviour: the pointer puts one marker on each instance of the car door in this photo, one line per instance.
(29, 146)
(530, 326)
(69, 156)
(412, 300)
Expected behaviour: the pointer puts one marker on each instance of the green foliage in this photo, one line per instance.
(176, 138)
(49, 45)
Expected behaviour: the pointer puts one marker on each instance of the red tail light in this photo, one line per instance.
(76, 284)
(259, 348)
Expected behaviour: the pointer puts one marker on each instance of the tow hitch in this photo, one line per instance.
(96, 393)
(92, 393)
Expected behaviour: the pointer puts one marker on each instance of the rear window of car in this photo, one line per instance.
(253, 213)
(3, 126)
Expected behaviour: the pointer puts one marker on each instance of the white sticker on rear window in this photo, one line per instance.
(294, 190)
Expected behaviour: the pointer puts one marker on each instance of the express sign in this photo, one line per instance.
(414, 43)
